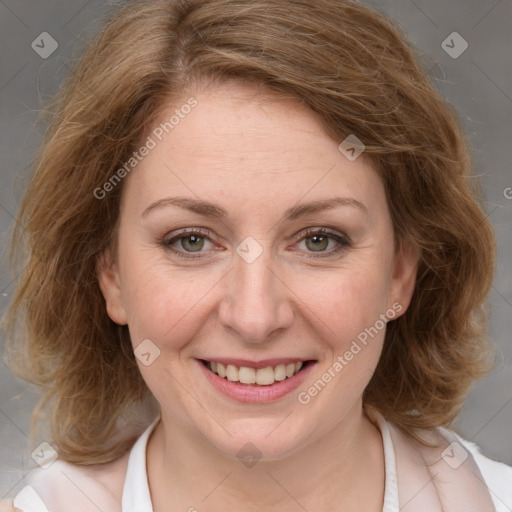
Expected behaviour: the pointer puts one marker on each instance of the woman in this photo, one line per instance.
(254, 271)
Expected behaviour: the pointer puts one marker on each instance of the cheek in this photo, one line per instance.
(165, 304)
(347, 313)
(345, 301)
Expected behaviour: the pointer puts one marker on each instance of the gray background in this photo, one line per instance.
(478, 83)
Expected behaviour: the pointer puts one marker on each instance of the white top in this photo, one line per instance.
(136, 496)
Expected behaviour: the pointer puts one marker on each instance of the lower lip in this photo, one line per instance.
(253, 393)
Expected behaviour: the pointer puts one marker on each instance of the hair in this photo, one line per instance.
(348, 64)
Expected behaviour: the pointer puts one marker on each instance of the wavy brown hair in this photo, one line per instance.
(348, 64)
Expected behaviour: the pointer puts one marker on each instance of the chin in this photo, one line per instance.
(265, 439)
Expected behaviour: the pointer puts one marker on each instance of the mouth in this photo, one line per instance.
(255, 382)
(254, 375)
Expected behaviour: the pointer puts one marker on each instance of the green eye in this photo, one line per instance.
(323, 243)
(192, 243)
(188, 244)
(317, 243)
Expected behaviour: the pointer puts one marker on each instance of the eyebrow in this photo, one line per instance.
(208, 209)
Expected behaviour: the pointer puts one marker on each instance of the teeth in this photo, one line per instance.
(247, 375)
(265, 376)
(280, 372)
(232, 373)
(261, 376)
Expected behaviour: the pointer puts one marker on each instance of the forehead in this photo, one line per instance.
(243, 145)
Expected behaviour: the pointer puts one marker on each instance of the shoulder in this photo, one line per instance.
(64, 486)
(457, 469)
(497, 476)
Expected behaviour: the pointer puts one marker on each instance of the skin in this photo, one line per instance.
(256, 155)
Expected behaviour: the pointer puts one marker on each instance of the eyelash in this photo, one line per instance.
(342, 240)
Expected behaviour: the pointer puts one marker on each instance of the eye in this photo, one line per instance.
(316, 243)
(187, 242)
(323, 242)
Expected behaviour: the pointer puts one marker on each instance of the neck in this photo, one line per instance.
(345, 467)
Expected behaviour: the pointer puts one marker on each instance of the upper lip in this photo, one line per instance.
(255, 364)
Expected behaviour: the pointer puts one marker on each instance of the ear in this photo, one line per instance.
(108, 279)
(405, 269)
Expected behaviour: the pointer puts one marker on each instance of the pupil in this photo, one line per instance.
(194, 243)
(318, 243)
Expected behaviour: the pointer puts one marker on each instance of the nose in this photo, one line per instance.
(257, 303)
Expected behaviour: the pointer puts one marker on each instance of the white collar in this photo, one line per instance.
(391, 486)
(137, 498)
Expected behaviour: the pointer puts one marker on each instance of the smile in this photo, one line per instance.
(260, 376)
(250, 382)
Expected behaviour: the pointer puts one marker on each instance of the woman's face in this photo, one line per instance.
(248, 239)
